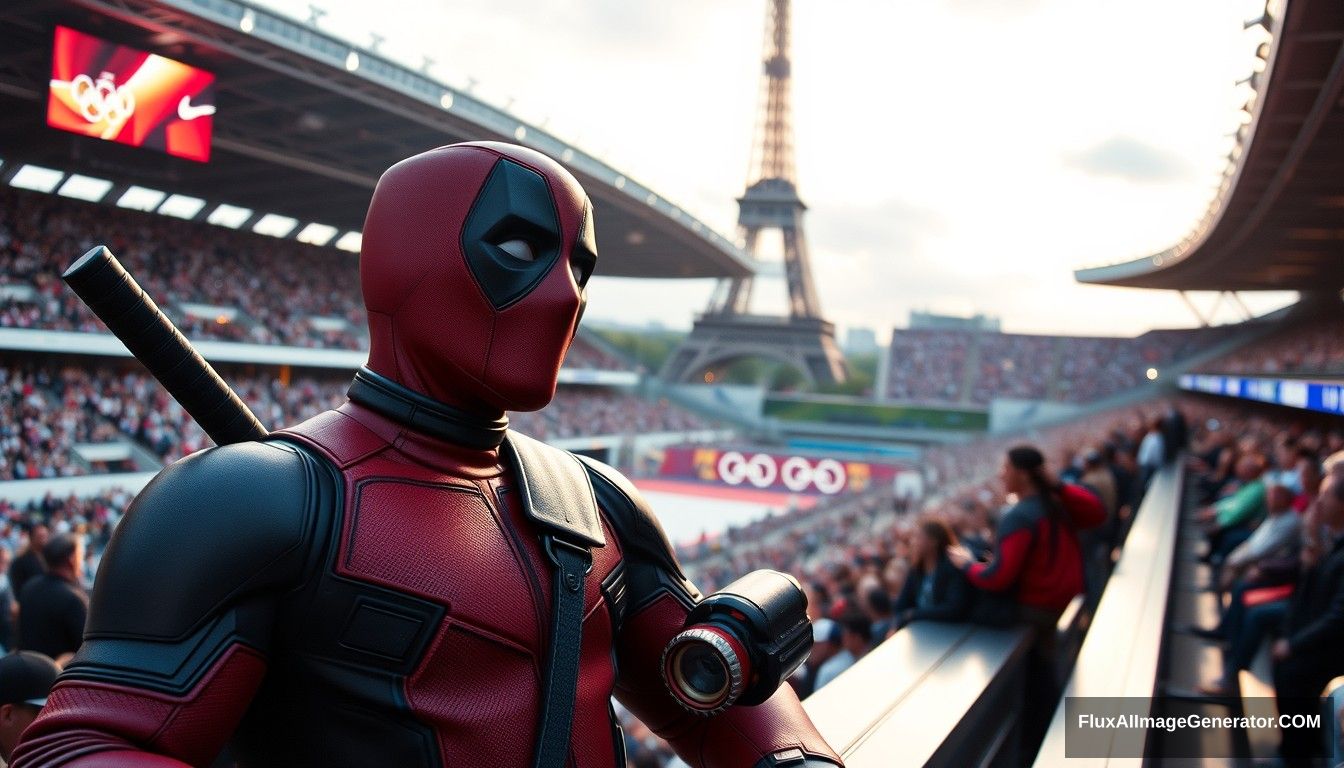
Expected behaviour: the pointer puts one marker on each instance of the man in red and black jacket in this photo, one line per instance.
(379, 586)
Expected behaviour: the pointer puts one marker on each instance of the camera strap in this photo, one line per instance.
(557, 495)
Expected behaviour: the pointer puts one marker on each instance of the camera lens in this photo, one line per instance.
(705, 668)
(701, 672)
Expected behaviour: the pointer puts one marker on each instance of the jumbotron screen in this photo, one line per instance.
(113, 92)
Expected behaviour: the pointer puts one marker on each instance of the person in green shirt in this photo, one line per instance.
(1230, 520)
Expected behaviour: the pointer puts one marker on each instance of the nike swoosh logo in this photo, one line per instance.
(187, 111)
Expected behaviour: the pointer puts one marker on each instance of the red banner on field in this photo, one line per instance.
(745, 468)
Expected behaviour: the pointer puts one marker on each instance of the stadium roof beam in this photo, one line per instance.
(370, 118)
(1287, 180)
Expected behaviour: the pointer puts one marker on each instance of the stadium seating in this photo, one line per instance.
(974, 367)
(213, 282)
(46, 408)
(1311, 345)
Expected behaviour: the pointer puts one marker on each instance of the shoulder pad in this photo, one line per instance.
(557, 493)
(211, 528)
(642, 539)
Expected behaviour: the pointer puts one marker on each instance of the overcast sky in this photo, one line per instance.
(956, 155)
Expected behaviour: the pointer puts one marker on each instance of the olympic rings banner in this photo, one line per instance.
(116, 93)
(745, 468)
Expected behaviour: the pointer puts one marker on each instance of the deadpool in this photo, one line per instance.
(404, 581)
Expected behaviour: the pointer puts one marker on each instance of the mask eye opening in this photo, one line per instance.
(581, 264)
(522, 240)
(519, 249)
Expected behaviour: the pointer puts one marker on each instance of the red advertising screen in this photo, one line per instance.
(116, 93)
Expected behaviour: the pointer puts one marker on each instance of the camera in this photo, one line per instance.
(739, 644)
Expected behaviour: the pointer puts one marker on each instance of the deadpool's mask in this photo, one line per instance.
(473, 266)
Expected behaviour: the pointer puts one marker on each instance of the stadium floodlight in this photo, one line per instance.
(316, 234)
(230, 216)
(138, 198)
(351, 241)
(352, 62)
(181, 206)
(82, 187)
(275, 225)
(36, 178)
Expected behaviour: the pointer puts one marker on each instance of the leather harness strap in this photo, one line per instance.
(557, 495)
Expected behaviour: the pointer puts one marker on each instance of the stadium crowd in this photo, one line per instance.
(284, 292)
(1314, 345)
(214, 282)
(46, 408)
(974, 367)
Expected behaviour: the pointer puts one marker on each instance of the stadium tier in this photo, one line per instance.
(216, 283)
(1308, 346)
(64, 417)
(975, 367)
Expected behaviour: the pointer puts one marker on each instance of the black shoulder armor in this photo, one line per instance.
(651, 567)
(207, 533)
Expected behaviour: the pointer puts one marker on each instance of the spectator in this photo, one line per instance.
(1230, 520)
(1244, 626)
(877, 604)
(1098, 543)
(973, 529)
(1152, 453)
(6, 602)
(29, 564)
(1040, 560)
(25, 680)
(1309, 655)
(934, 589)
(53, 606)
(1277, 536)
(855, 633)
(1175, 433)
(825, 644)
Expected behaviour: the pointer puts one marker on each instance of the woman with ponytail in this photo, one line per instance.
(1038, 562)
(1037, 559)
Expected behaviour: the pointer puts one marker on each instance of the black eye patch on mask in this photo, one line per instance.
(514, 209)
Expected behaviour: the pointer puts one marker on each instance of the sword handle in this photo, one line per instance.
(132, 316)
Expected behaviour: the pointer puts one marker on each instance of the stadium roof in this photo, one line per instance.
(305, 125)
(1277, 222)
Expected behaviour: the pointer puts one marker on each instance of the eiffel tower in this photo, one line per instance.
(727, 331)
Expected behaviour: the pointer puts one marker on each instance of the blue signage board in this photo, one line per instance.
(1323, 396)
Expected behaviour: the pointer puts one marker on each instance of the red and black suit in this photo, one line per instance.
(367, 588)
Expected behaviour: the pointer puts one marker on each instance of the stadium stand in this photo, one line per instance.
(49, 406)
(1313, 345)
(974, 367)
(215, 283)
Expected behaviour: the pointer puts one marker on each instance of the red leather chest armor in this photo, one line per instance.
(427, 520)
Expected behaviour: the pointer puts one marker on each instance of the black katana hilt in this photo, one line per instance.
(114, 296)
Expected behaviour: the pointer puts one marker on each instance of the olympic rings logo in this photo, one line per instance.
(828, 476)
(102, 100)
(797, 473)
(760, 469)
